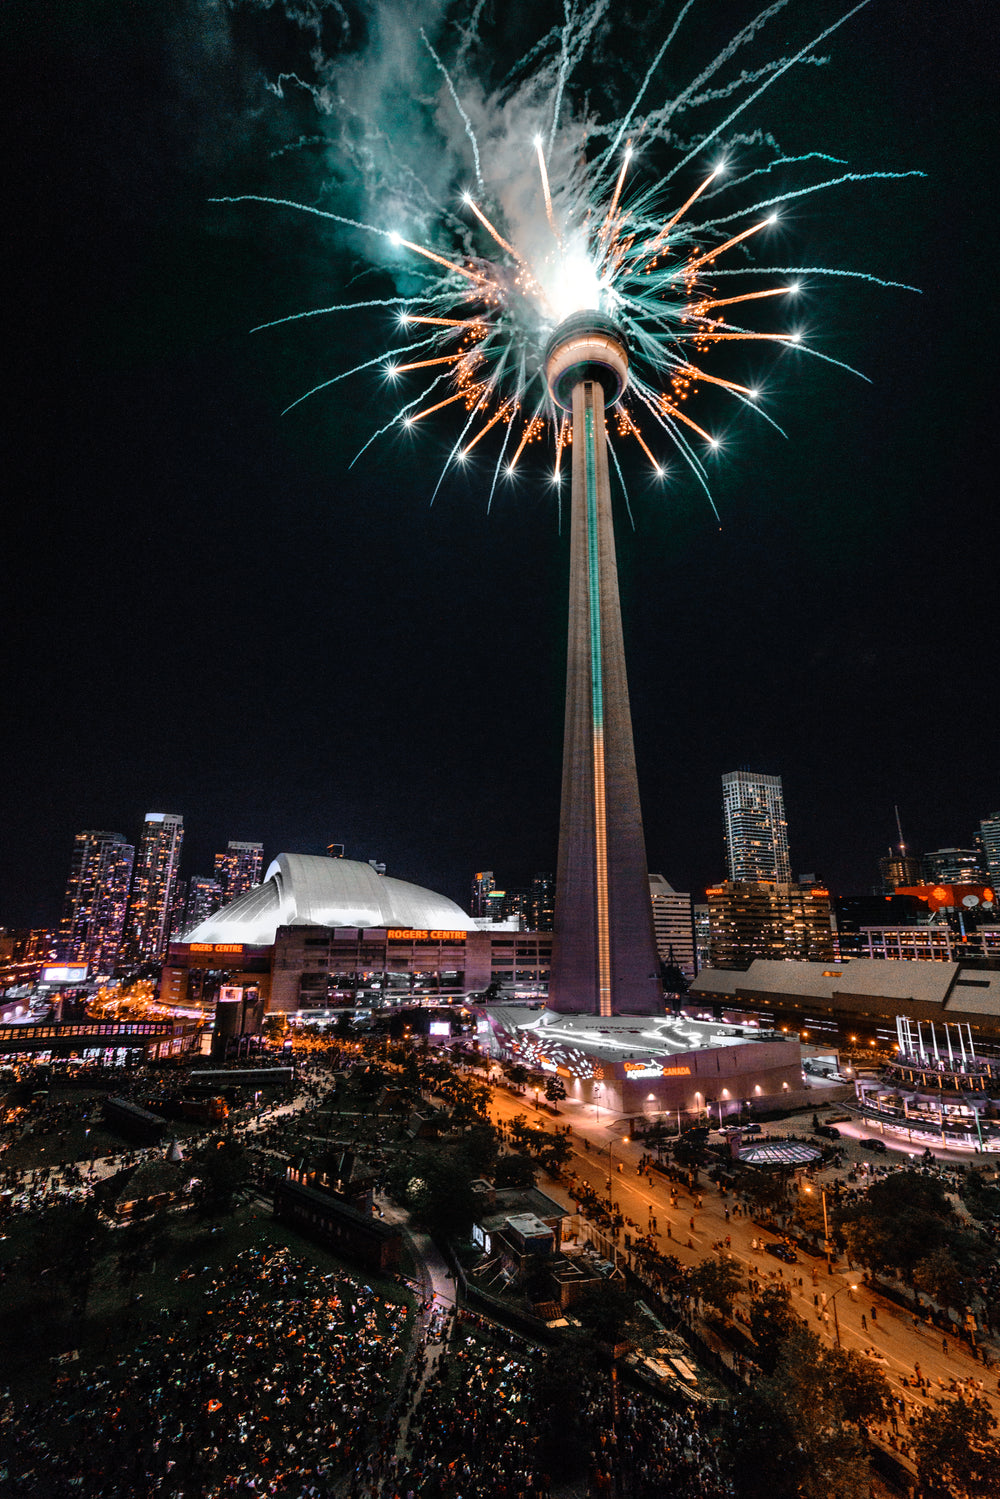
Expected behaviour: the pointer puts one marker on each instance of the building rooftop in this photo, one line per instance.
(618, 1038)
(312, 890)
(957, 989)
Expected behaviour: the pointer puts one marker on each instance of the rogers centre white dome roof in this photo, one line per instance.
(311, 890)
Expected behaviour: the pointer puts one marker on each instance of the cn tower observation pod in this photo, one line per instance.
(604, 959)
(587, 346)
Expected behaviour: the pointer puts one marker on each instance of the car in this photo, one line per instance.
(782, 1251)
(828, 1132)
(878, 1145)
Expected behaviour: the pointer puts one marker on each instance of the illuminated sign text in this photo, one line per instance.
(400, 934)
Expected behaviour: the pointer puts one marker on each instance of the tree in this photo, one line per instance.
(981, 1199)
(804, 1390)
(716, 1283)
(516, 1170)
(536, 1081)
(517, 1075)
(609, 1313)
(771, 1320)
(564, 1435)
(553, 1152)
(868, 1241)
(479, 1147)
(442, 1196)
(809, 1212)
(72, 1236)
(902, 1220)
(766, 1189)
(555, 1090)
(955, 1453)
(857, 1382)
(223, 1169)
(938, 1275)
(140, 1244)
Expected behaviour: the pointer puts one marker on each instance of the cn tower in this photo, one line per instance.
(604, 959)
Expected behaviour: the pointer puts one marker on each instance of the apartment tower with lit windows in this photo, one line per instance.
(147, 926)
(96, 899)
(753, 806)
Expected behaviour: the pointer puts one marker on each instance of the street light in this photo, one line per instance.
(826, 1229)
(625, 1140)
(833, 1303)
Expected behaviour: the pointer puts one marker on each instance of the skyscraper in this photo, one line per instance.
(483, 886)
(238, 869)
(673, 923)
(768, 919)
(96, 900)
(541, 913)
(898, 869)
(204, 897)
(604, 958)
(753, 807)
(953, 866)
(147, 926)
(989, 837)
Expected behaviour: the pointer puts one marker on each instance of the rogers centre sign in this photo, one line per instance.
(400, 934)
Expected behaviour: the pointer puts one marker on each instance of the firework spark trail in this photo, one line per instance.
(779, 161)
(661, 117)
(629, 117)
(752, 99)
(621, 480)
(320, 213)
(401, 415)
(345, 374)
(816, 270)
(745, 79)
(498, 467)
(294, 317)
(570, 55)
(461, 111)
(802, 192)
(570, 229)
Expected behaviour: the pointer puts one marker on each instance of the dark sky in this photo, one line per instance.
(207, 612)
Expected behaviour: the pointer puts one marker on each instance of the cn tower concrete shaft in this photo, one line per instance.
(604, 959)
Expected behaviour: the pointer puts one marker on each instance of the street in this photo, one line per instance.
(890, 1335)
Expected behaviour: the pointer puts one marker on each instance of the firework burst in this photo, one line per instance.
(562, 213)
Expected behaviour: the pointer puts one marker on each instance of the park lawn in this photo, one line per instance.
(32, 1297)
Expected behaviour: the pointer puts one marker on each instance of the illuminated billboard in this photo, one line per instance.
(64, 973)
(440, 1028)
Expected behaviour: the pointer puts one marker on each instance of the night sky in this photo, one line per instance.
(208, 612)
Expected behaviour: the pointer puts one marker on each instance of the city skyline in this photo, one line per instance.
(782, 641)
(87, 848)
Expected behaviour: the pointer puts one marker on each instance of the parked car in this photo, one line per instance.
(878, 1145)
(782, 1251)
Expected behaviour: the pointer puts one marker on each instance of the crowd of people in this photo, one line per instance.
(273, 1382)
(646, 1451)
(479, 1416)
